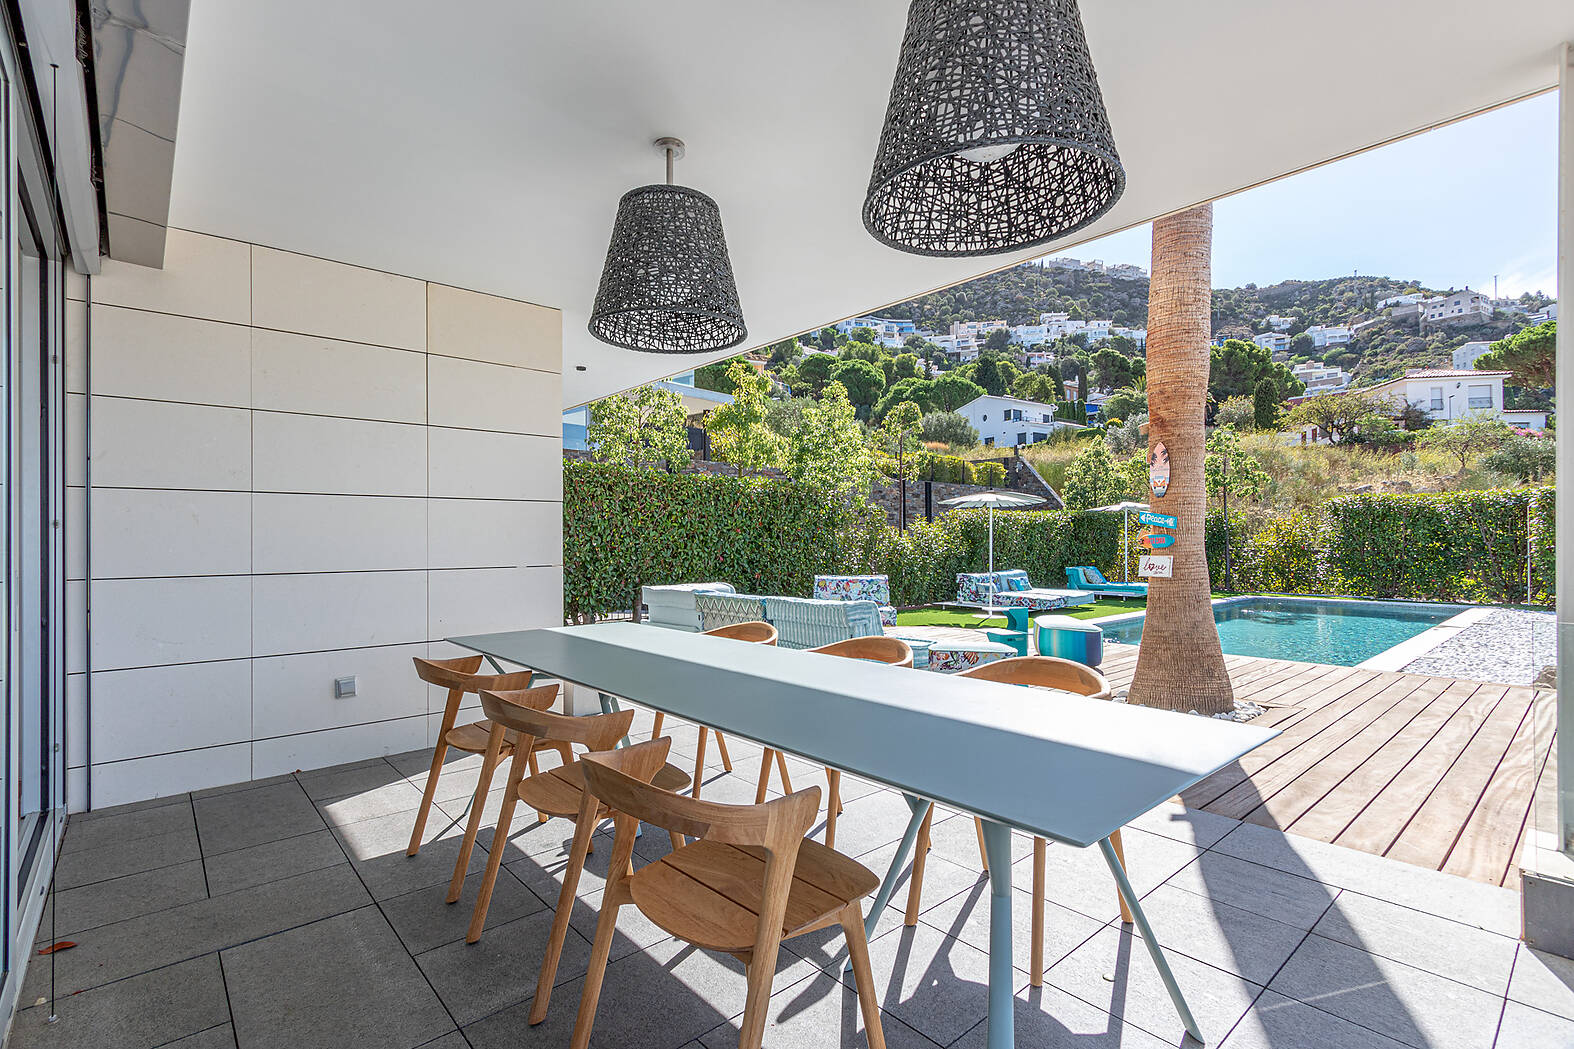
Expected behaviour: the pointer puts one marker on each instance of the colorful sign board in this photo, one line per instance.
(1148, 517)
(1156, 566)
(1157, 540)
(1159, 470)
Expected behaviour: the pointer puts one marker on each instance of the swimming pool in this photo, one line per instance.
(1309, 630)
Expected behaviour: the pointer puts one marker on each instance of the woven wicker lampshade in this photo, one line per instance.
(996, 136)
(667, 285)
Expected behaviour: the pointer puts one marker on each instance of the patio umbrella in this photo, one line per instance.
(1125, 509)
(993, 500)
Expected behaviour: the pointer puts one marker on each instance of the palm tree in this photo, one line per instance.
(1180, 665)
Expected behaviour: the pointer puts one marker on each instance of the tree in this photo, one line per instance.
(988, 373)
(713, 376)
(815, 370)
(1529, 354)
(1237, 412)
(905, 366)
(646, 425)
(1227, 464)
(1266, 406)
(1179, 663)
(1053, 373)
(919, 391)
(863, 382)
(1527, 457)
(1031, 386)
(782, 353)
(899, 433)
(1127, 437)
(949, 428)
(1466, 438)
(784, 417)
(830, 449)
(1237, 367)
(1112, 370)
(951, 391)
(738, 430)
(1092, 479)
(864, 334)
(1126, 403)
(1338, 416)
(1302, 345)
(829, 337)
(997, 340)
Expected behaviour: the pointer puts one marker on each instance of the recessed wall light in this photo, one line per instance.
(579, 367)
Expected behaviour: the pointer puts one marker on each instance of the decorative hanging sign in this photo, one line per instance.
(1156, 566)
(1148, 517)
(1157, 540)
(1159, 470)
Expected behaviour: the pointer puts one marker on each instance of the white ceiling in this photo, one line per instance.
(485, 144)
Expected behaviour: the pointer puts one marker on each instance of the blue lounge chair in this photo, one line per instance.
(1086, 577)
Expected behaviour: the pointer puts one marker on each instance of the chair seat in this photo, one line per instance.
(709, 893)
(472, 738)
(557, 791)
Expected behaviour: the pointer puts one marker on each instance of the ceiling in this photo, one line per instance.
(488, 151)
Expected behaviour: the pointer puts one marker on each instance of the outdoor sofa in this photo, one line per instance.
(1012, 589)
(1086, 577)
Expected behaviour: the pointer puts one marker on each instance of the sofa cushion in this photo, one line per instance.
(673, 606)
(807, 623)
(718, 610)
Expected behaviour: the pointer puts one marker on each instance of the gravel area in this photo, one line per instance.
(1509, 647)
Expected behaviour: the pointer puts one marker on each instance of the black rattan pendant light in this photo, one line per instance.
(667, 285)
(995, 137)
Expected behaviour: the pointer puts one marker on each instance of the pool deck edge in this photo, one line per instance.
(1407, 652)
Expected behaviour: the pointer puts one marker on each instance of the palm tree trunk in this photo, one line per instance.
(1180, 665)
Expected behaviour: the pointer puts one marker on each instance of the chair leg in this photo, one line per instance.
(612, 900)
(833, 805)
(983, 853)
(721, 747)
(868, 997)
(450, 715)
(699, 762)
(541, 817)
(1037, 971)
(761, 970)
(766, 758)
(483, 787)
(655, 726)
(1120, 854)
(583, 829)
(494, 858)
(915, 887)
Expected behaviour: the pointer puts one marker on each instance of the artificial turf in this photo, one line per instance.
(943, 617)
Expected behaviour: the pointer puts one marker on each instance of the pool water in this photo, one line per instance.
(1309, 630)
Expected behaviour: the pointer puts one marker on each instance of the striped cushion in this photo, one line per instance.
(806, 623)
(718, 610)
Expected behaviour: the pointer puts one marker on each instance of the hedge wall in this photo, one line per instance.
(624, 528)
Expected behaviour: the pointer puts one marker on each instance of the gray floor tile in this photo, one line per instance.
(500, 969)
(106, 902)
(1081, 879)
(527, 836)
(544, 879)
(242, 785)
(934, 983)
(942, 880)
(1408, 1004)
(1049, 1018)
(1239, 941)
(966, 916)
(1544, 981)
(1193, 826)
(221, 1037)
(1284, 897)
(236, 821)
(340, 983)
(138, 1013)
(457, 782)
(818, 1013)
(1277, 1022)
(97, 829)
(1527, 1028)
(273, 860)
(451, 1040)
(423, 920)
(1113, 972)
(1460, 952)
(396, 796)
(355, 777)
(376, 849)
(869, 822)
(86, 866)
(954, 836)
(137, 945)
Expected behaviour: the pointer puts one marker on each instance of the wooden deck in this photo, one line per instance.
(1437, 772)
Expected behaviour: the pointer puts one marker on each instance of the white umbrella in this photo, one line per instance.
(992, 500)
(1125, 509)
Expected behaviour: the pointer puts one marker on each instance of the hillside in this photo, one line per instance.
(1019, 294)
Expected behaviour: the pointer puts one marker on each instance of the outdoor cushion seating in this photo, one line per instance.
(673, 606)
(718, 610)
(876, 588)
(801, 622)
(949, 657)
(1086, 577)
(1013, 588)
(1078, 640)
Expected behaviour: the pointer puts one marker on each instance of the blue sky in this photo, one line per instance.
(1448, 208)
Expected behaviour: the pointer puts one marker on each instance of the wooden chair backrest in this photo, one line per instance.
(460, 675)
(892, 650)
(758, 631)
(1044, 672)
(526, 712)
(620, 779)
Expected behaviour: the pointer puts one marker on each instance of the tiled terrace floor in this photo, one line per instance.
(284, 913)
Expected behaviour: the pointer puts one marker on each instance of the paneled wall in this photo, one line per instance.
(301, 470)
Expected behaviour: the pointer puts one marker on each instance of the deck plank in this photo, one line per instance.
(1495, 823)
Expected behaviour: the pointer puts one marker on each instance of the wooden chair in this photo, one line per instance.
(757, 632)
(876, 649)
(750, 881)
(1040, 672)
(555, 792)
(459, 677)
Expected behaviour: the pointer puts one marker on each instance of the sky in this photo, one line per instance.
(1449, 208)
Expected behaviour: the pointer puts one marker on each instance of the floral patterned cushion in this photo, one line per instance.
(876, 588)
(1012, 589)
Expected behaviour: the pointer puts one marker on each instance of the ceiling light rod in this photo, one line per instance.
(673, 148)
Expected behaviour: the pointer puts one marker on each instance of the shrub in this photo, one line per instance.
(1285, 555)
(990, 475)
(949, 428)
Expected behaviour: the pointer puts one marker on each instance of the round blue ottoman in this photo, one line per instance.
(1078, 640)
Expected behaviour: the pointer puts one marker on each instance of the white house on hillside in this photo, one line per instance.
(1465, 356)
(1009, 421)
(1457, 307)
(1275, 342)
(1448, 394)
(1325, 335)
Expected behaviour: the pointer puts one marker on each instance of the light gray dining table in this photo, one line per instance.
(1064, 767)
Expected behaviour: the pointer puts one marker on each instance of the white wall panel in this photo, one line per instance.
(474, 464)
(480, 600)
(170, 532)
(313, 750)
(156, 710)
(311, 296)
(300, 373)
(337, 533)
(310, 453)
(169, 358)
(153, 622)
(493, 533)
(207, 277)
(119, 782)
(475, 396)
(293, 694)
(312, 613)
(488, 328)
(162, 444)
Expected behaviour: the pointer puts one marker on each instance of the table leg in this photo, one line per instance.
(1154, 950)
(610, 705)
(919, 808)
(1002, 977)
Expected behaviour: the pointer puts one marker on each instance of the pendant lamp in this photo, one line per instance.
(667, 285)
(995, 136)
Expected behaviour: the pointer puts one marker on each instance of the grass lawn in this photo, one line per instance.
(1104, 606)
